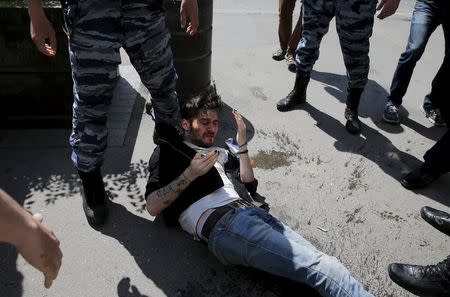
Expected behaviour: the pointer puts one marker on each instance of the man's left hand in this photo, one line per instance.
(241, 136)
(189, 16)
(387, 7)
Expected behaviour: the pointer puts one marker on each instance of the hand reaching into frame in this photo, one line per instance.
(387, 7)
(189, 16)
(42, 32)
(41, 249)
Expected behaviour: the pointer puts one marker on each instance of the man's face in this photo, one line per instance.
(202, 129)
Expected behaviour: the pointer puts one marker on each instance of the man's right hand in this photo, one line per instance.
(42, 32)
(41, 249)
(201, 164)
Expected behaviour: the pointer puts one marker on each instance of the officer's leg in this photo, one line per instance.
(354, 22)
(147, 42)
(316, 18)
(94, 57)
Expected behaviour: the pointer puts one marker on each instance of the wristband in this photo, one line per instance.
(243, 152)
(243, 144)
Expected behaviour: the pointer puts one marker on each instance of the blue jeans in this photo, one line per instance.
(427, 16)
(252, 237)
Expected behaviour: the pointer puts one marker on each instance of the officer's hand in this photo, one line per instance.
(387, 7)
(201, 164)
(40, 248)
(42, 33)
(189, 16)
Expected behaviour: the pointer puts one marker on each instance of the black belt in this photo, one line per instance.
(218, 213)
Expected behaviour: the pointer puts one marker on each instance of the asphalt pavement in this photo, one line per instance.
(340, 191)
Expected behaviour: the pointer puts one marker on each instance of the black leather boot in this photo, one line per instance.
(353, 124)
(436, 218)
(419, 177)
(297, 95)
(431, 280)
(94, 197)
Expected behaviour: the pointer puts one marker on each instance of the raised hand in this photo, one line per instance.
(241, 136)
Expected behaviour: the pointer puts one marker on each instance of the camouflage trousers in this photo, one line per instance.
(97, 30)
(354, 23)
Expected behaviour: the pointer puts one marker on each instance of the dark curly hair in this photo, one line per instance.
(205, 100)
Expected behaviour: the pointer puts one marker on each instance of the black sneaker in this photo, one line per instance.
(431, 280)
(353, 124)
(390, 113)
(419, 178)
(278, 55)
(434, 116)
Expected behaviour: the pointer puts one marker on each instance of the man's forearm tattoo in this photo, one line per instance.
(177, 188)
(164, 191)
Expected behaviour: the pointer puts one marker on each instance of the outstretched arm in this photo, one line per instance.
(387, 7)
(41, 30)
(189, 16)
(160, 199)
(33, 240)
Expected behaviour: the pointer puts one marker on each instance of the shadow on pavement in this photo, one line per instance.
(27, 170)
(180, 266)
(371, 144)
(372, 104)
(125, 289)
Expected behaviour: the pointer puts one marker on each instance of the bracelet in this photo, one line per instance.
(243, 144)
(243, 152)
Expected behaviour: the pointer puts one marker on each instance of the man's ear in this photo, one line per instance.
(185, 125)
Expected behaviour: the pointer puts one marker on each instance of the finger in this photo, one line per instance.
(383, 14)
(207, 157)
(208, 165)
(189, 30)
(198, 156)
(48, 282)
(38, 217)
(381, 4)
(40, 45)
(193, 17)
(53, 42)
(182, 18)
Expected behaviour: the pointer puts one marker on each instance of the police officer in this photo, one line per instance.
(354, 23)
(97, 30)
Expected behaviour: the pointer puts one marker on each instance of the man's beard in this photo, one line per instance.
(199, 142)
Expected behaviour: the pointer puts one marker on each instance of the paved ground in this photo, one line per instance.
(311, 171)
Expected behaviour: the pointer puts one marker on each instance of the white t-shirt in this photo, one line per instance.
(224, 195)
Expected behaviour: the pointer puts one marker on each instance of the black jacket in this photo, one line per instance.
(169, 161)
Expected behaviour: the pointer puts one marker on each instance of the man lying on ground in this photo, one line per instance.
(188, 184)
